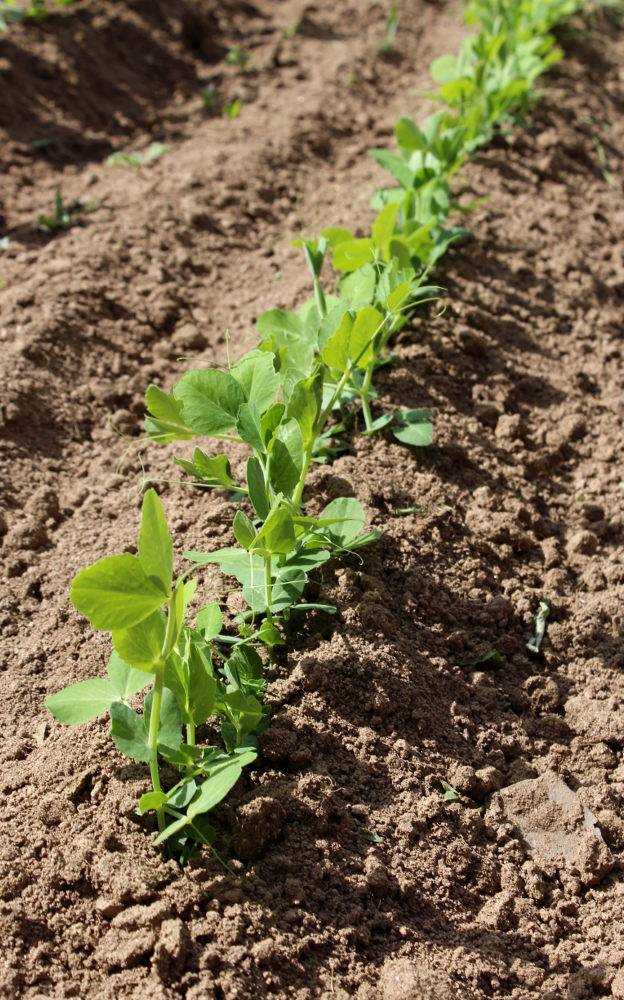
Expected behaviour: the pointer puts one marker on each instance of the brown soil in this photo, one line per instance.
(353, 874)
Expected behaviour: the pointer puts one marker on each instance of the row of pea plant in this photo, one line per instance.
(288, 400)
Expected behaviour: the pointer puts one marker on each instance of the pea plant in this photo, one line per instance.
(137, 599)
(490, 81)
(279, 413)
(288, 401)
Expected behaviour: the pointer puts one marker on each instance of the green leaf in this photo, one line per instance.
(243, 710)
(366, 326)
(358, 288)
(170, 729)
(288, 587)
(169, 831)
(444, 68)
(351, 514)
(115, 592)
(380, 422)
(256, 375)
(125, 680)
(231, 561)
(384, 225)
(210, 400)
(215, 789)
(400, 250)
(211, 470)
(244, 531)
(399, 295)
(395, 165)
(81, 702)
(277, 534)
(286, 457)
(336, 353)
(128, 733)
(243, 670)
(151, 801)
(269, 635)
(418, 429)
(142, 645)
(304, 405)
(249, 427)
(335, 235)
(155, 544)
(280, 323)
(271, 420)
(165, 423)
(257, 488)
(209, 621)
(352, 254)
(175, 619)
(202, 687)
(408, 136)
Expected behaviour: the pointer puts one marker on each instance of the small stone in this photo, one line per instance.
(264, 951)
(43, 504)
(559, 831)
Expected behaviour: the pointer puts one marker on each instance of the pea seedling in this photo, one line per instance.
(144, 608)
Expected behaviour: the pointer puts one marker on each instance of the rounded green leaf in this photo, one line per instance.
(81, 702)
(115, 593)
(209, 620)
(210, 400)
(142, 645)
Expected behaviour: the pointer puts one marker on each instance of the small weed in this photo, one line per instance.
(292, 29)
(60, 218)
(233, 108)
(392, 26)
(450, 794)
(535, 642)
(139, 159)
(238, 56)
(209, 97)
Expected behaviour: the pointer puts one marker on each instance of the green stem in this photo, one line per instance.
(307, 458)
(154, 728)
(190, 734)
(365, 396)
(268, 584)
(319, 298)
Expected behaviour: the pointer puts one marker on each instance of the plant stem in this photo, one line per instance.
(365, 396)
(307, 458)
(319, 298)
(152, 740)
(190, 734)
(268, 584)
